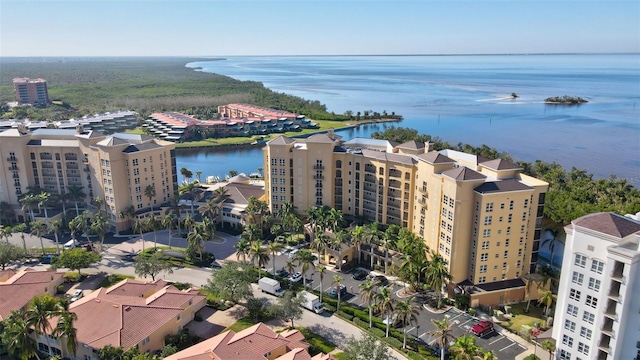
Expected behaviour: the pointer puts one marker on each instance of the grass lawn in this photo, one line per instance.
(244, 323)
(137, 131)
(114, 279)
(521, 318)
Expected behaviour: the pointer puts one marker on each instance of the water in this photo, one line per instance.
(455, 98)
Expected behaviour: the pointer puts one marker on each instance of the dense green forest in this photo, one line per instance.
(81, 86)
(571, 193)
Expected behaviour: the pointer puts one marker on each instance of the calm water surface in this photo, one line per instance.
(457, 99)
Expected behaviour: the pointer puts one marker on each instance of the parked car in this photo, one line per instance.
(334, 294)
(71, 244)
(47, 259)
(482, 328)
(296, 277)
(281, 273)
(379, 280)
(359, 275)
(77, 295)
(293, 253)
(129, 257)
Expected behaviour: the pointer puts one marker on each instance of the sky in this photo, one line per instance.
(316, 27)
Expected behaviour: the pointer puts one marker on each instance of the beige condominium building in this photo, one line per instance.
(31, 91)
(483, 216)
(116, 168)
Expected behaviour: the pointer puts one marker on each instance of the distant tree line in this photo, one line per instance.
(565, 100)
(571, 194)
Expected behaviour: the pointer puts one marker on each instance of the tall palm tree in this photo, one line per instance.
(386, 304)
(274, 247)
(290, 265)
(220, 196)
(255, 212)
(150, 192)
(20, 228)
(5, 232)
(209, 208)
(259, 256)
(196, 239)
(40, 310)
(189, 222)
(152, 223)
(553, 241)
(29, 202)
(186, 174)
(38, 228)
(140, 227)
(176, 210)
(99, 226)
(389, 238)
(76, 195)
(55, 227)
(443, 334)
(368, 295)
(341, 238)
(529, 283)
(82, 223)
(242, 250)
(198, 174)
(65, 330)
(548, 345)
(127, 213)
(372, 237)
(357, 236)
(250, 232)
(43, 199)
(192, 191)
(319, 244)
(437, 274)
(305, 259)
(546, 299)
(465, 348)
(321, 271)
(16, 336)
(210, 226)
(334, 220)
(169, 222)
(337, 282)
(407, 313)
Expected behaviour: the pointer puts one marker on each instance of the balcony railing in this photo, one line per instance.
(318, 167)
(12, 158)
(318, 185)
(14, 168)
(318, 177)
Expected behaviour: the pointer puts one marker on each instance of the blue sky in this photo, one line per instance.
(315, 27)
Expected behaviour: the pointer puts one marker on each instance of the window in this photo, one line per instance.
(597, 266)
(583, 348)
(485, 245)
(483, 268)
(567, 340)
(135, 162)
(586, 333)
(486, 233)
(594, 284)
(524, 216)
(136, 171)
(509, 218)
(592, 301)
(511, 205)
(487, 220)
(572, 310)
(564, 355)
(574, 295)
(569, 325)
(145, 341)
(577, 278)
(484, 257)
(482, 279)
(489, 207)
(588, 317)
(506, 253)
(581, 260)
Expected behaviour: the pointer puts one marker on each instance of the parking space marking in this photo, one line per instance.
(421, 335)
(498, 339)
(508, 346)
(457, 316)
(409, 331)
(466, 322)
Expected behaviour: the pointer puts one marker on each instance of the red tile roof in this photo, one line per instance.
(609, 223)
(17, 291)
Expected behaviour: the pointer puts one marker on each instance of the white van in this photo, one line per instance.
(70, 244)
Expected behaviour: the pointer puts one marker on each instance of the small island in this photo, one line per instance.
(565, 100)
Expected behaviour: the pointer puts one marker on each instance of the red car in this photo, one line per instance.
(482, 328)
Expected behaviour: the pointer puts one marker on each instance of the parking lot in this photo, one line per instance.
(504, 347)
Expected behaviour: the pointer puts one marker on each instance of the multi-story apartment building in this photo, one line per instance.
(107, 123)
(598, 308)
(31, 91)
(116, 168)
(483, 216)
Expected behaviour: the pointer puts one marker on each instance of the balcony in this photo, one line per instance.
(369, 197)
(422, 202)
(70, 157)
(46, 157)
(423, 190)
(614, 291)
(618, 271)
(602, 355)
(72, 166)
(12, 158)
(605, 343)
(610, 311)
(395, 184)
(75, 175)
(318, 185)
(607, 327)
(394, 203)
(318, 177)
(47, 165)
(86, 169)
(318, 167)
(13, 168)
(393, 213)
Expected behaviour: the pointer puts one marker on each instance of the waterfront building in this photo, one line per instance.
(483, 216)
(116, 168)
(106, 123)
(31, 91)
(598, 308)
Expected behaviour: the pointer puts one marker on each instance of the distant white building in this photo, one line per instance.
(598, 309)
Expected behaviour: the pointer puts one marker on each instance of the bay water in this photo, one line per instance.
(462, 99)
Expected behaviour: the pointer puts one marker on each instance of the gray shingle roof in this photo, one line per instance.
(463, 173)
(609, 223)
(435, 158)
(413, 145)
(500, 164)
(502, 186)
(384, 156)
(280, 140)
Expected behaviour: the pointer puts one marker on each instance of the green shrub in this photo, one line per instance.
(414, 356)
(330, 308)
(393, 342)
(377, 332)
(340, 356)
(347, 309)
(113, 279)
(531, 357)
(317, 343)
(363, 324)
(344, 315)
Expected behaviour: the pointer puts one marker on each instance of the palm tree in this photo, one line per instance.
(337, 282)
(152, 224)
(341, 237)
(389, 238)
(127, 213)
(334, 220)
(82, 224)
(189, 222)
(242, 249)
(547, 300)
(198, 173)
(176, 210)
(465, 348)
(40, 310)
(20, 228)
(196, 239)
(372, 236)
(549, 346)
(65, 329)
(99, 226)
(305, 259)
(368, 295)
(290, 265)
(250, 232)
(16, 336)
(437, 274)
(140, 226)
(442, 333)
(193, 192)
(529, 281)
(43, 198)
(169, 222)
(357, 236)
(321, 271)
(209, 208)
(220, 195)
(38, 228)
(55, 227)
(186, 174)
(150, 192)
(386, 304)
(5, 232)
(29, 202)
(255, 212)
(210, 226)
(407, 313)
(274, 247)
(76, 195)
(259, 256)
(319, 244)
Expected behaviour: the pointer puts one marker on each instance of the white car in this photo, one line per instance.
(77, 295)
(71, 244)
(296, 277)
(293, 253)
